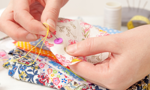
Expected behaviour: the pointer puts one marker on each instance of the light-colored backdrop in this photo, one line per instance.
(89, 7)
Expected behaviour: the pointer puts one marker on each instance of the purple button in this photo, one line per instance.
(58, 41)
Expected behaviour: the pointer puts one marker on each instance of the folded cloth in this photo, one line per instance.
(71, 32)
(46, 72)
(27, 47)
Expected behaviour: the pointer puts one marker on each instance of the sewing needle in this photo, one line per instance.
(51, 33)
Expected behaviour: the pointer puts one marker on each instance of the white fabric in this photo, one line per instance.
(73, 31)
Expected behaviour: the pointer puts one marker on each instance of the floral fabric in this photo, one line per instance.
(48, 73)
(73, 31)
(44, 71)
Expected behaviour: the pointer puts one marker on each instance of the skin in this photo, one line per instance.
(128, 63)
(22, 20)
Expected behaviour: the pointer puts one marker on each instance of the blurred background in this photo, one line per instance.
(90, 7)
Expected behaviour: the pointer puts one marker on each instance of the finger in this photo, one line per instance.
(87, 70)
(84, 69)
(25, 19)
(17, 33)
(51, 13)
(93, 46)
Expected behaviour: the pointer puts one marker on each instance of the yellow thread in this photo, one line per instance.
(44, 39)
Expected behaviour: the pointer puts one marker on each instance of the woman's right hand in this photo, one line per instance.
(22, 18)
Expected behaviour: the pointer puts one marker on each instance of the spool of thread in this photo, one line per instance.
(112, 15)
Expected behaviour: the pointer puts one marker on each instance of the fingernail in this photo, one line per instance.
(31, 36)
(71, 49)
(43, 32)
(52, 24)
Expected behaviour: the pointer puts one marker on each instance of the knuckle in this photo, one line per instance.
(17, 35)
(16, 15)
(32, 26)
(53, 10)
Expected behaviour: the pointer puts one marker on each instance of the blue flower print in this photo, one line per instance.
(15, 68)
(60, 73)
(23, 68)
(11, 73)
(64, 80)
(43, 70)
(49, 66)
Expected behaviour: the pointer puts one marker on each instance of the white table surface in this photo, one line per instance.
(8, 83)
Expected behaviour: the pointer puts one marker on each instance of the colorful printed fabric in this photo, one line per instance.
(39, 45)
(44, 71)
(27, 47)
(71, 32)
(49, 73)
(108, 30)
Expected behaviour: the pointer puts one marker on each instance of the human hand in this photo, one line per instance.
(128, 63)
(22, 18)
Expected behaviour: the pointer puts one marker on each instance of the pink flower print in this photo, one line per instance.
(48, 44)
(102, 34)
(69, 80)
(57, 56)
(72, 42)
(49, 36)
(54, 33)
(2, 54)
(60, 86)
(66, 63)
(56, 81)
(43, 79)
(63, 60)
(106, 34)
(86, 26)
(41, 65)
(39, 60)
(83, 58)
(49, 71)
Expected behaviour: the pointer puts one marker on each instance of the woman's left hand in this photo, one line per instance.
(128, 63)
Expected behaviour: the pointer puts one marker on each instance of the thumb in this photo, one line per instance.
(93, 46)
(87, 70)
(79, 69)
(51, 12)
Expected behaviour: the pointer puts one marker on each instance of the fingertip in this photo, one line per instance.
(71, 49)
(52, 24)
